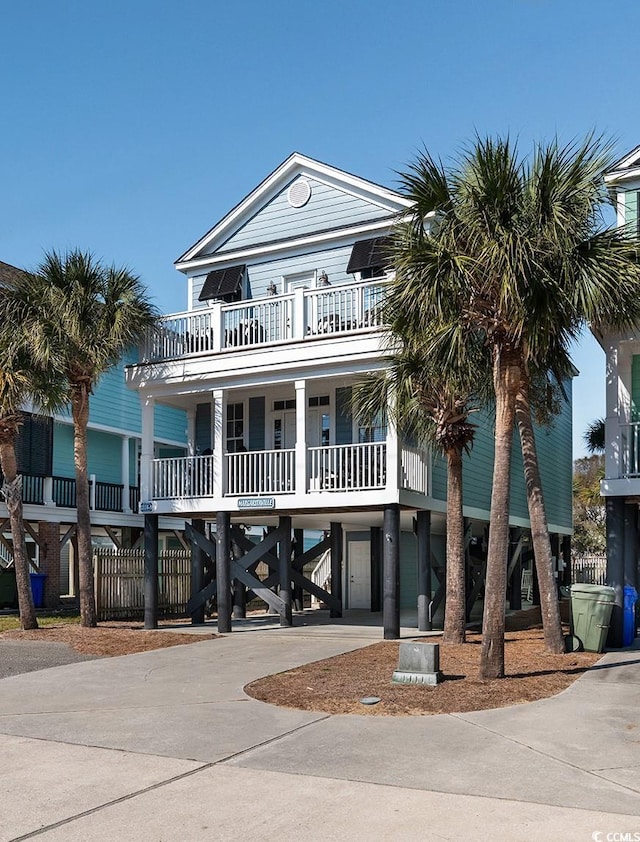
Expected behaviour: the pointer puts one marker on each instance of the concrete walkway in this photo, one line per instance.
(165, 746)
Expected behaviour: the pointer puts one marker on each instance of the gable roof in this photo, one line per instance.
(296, 164)
(9, 273)
(626, 167)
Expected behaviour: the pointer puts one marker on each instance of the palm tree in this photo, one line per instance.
(430, 400)
(89, 314)
(517, 253)
(594, 437)
(20, 380)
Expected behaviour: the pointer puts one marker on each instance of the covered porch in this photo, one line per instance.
(288, 445)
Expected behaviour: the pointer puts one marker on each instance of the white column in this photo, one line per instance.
(47, 492)
(126, 481)
(217, 327)
(301, 436)
(146, 452)
(219, 461)
(613, 455)
(393, 456)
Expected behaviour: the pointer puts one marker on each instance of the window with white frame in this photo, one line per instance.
(235, 428)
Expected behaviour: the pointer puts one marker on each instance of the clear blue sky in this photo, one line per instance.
(129, 127)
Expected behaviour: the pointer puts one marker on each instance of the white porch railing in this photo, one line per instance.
(414, 469)
(181, 335)
(257, 322)
(261, 472)
(303, 314)
(183, 476)
(348, 467)
(343, 308)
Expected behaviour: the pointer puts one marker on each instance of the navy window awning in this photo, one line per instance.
(367, 254)
(222, 282)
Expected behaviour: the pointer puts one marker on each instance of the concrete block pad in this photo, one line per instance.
(418, 663)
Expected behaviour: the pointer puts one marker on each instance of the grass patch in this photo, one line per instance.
(12, 622)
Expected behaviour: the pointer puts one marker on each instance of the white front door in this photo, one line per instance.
(319, 427)
(306, 280)
(359, 558)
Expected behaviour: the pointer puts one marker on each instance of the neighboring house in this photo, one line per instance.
(283, 317)
(45, 459)
(621, 485)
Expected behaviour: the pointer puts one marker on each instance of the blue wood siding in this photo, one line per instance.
(170, 424)
(63, 450)
(259, 275)
(556, 466)
(257, 411)
(328, 207)
(104, 452)
(408, 571)
(113, 405)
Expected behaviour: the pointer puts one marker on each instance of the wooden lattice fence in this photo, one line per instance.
(119, 583)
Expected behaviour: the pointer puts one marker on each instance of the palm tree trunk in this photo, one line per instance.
(551, 623)
(506, 380)
(12, 491)
(80, 412)
(455, 607)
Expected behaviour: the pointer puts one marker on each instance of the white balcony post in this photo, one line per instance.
(614, 463)
(92, 491)
(47, 492)
(125, 475)
(217, 327)
(146, 451)
(219, 462)
(301, 436)
(299, 313)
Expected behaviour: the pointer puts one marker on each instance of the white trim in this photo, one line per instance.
(295, 165)
(617, 176)
(243, 255)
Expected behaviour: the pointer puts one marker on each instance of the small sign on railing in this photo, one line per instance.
(147, 507)
(257, 503)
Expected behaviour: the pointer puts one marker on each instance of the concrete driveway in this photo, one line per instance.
(165, 746)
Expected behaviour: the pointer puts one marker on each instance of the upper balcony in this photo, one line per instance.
(304, 314)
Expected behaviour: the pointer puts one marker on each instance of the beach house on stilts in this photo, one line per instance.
(283, 317)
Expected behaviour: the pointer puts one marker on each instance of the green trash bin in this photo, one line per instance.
(591, 607)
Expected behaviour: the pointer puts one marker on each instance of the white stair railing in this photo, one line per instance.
(320, 575)
(6, 556)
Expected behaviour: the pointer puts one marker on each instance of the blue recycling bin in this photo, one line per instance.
(37, 588)
(629, 615)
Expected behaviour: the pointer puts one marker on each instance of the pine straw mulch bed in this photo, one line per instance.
(108, 640)
(336, 685)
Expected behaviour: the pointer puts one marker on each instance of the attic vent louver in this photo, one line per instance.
(299, 193)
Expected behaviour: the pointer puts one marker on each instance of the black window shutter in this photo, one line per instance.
(34, 446)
